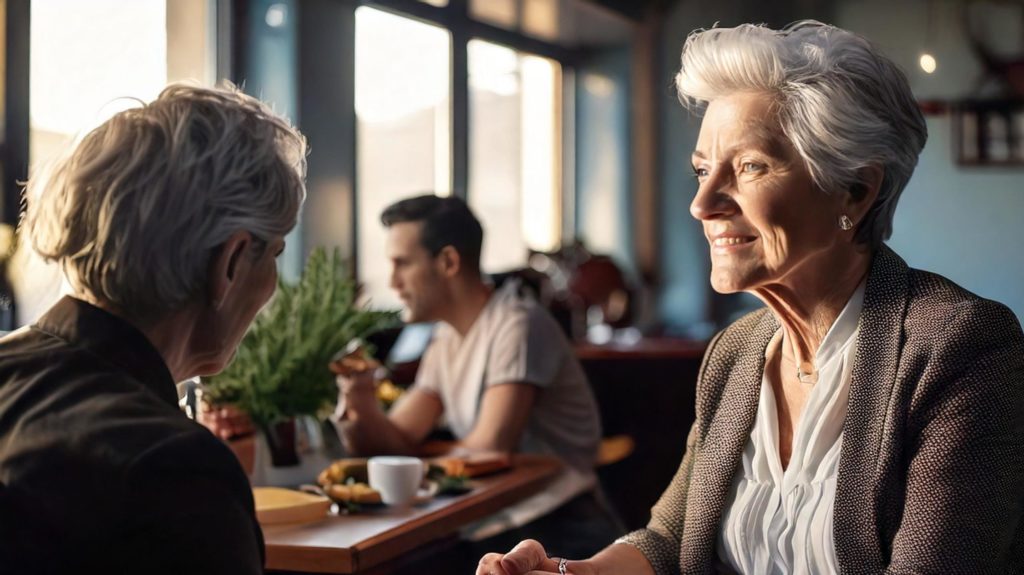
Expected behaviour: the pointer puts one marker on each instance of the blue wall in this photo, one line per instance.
(603, 206)
(272, 76)
(964, 223)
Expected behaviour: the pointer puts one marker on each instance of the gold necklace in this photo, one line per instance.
(809, 377)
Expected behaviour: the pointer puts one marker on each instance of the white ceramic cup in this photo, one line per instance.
(396, 477)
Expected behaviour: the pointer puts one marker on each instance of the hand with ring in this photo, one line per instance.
(529, 558)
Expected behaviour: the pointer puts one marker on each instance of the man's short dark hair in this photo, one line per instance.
(446, 221)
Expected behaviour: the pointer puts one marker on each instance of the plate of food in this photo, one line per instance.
(461, 462)
(346, 482)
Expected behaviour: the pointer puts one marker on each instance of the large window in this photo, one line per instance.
(403, 128)
(497, 142)
(514, 151)
(89, 60)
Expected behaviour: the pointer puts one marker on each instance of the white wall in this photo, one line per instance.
(964, 223)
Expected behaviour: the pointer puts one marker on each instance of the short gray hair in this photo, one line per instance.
(842, 104)
(135, 211)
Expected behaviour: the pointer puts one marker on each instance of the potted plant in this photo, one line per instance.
(280, 369)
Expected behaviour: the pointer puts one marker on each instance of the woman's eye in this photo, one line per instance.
(700, 173)
(751, 167)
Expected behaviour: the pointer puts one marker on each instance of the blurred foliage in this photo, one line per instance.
(280, 369)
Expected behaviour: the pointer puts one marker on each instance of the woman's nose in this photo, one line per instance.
(712, 200)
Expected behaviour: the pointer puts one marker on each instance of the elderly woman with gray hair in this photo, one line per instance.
(167, 220)
(871, 418)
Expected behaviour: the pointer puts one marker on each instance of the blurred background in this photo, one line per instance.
(557, 121)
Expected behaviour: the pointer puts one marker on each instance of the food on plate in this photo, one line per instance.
(342, 470)
(346, 481)
(474, 463)
(359, 493)
(448, 484)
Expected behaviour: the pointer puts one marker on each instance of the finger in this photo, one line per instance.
(527, 556)
(490, 564)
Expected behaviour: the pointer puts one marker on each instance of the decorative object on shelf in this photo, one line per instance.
(280, 371)
(989, 126)
(1000, 68)
(580, 289)
(989, 132)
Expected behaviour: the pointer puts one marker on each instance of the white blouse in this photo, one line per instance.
(779, 521)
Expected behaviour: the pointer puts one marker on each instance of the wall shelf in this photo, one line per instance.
(989, 132)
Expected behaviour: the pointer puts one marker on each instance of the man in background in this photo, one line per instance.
(499, 369)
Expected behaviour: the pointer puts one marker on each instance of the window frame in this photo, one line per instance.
(14, 146)
(455, 18)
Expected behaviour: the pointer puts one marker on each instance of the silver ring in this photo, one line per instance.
(561, 565)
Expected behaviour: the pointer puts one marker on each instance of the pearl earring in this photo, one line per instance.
(845, 223)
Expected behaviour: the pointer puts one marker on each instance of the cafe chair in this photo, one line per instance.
(614, 449)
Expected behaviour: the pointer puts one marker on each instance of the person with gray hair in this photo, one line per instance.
(167, 220)
(870, 418)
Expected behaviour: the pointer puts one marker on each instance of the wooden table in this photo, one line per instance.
(644, 349)
(357, 543)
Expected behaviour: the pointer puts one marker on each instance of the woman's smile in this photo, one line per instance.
(727, 244)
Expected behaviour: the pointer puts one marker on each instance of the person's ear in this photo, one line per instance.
(226, 266)
(449, 261)
(863, 193)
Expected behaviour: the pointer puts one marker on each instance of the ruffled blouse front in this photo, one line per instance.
(780, 521)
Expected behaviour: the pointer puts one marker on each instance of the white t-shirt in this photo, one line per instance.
(514, 340)
(780, 521)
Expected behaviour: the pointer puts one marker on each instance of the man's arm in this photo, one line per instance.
(366, 430)
(504, 411)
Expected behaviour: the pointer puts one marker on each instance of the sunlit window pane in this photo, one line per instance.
(403, 114)
(87, 61)
(86, 55)
(515, 151)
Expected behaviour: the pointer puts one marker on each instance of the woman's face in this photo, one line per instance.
(765, 220)
(256, 277)
(261, 285)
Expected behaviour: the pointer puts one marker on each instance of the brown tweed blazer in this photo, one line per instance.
(931, 475)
